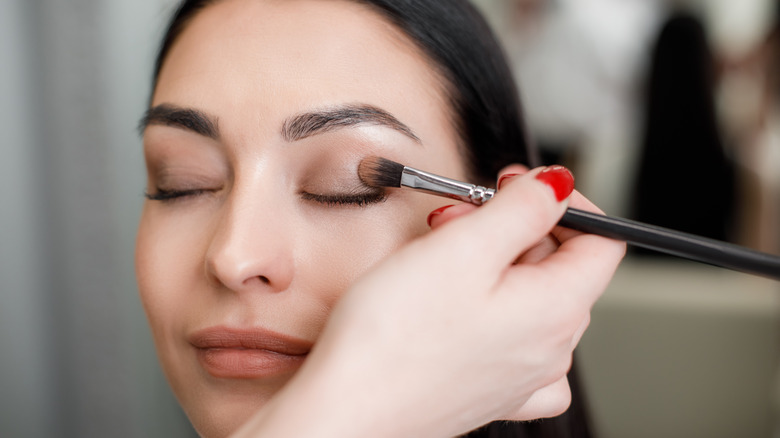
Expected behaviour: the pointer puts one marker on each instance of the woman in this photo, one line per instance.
(259, 247)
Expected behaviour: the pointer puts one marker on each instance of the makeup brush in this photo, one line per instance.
(381, 172)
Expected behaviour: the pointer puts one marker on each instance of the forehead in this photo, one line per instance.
(303, 53)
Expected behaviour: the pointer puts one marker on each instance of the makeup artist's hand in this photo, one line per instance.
(552, 399)
(476, 321)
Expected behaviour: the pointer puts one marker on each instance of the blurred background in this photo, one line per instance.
(674, 103)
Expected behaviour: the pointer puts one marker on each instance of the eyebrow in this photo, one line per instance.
(295, 128)
(185, 118)
(318, 122)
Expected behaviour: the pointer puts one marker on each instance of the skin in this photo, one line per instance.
(245, 247)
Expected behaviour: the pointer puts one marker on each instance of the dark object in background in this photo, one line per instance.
(685, 181)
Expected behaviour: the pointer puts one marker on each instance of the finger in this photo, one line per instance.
(579, 244)
(523, 211)
(548, 244)
(549, 401)
(445, 214)
(540, 251)
(580, 331)
(510, 171)
(518, 169)
(580, 202)
(585, 263)
(582, 257)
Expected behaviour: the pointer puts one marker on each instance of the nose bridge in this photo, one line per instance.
(251, 247)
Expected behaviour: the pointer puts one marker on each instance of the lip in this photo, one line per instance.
(248, 353)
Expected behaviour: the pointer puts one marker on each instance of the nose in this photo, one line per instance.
(251, 248)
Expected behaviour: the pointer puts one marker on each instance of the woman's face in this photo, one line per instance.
(257, 221)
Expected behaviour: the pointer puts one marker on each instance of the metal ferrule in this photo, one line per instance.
(442, 186)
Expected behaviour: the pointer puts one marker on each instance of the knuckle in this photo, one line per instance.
(560, 402)
(550, 401)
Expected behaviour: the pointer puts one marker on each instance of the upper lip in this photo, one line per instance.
(251, 338)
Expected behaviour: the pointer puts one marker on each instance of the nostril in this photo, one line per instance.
(264, 279)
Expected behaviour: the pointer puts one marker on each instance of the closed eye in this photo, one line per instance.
(172, 195)
(346, 199)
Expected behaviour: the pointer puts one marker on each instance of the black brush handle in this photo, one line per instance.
(673, 242)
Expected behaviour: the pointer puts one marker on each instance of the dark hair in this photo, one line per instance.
(682, 145)
(487, 114)
(454, 35)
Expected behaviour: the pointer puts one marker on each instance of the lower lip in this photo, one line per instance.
(237, 363)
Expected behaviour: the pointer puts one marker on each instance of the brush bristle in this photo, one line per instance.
(380, 172)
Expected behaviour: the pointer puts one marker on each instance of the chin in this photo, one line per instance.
(217, 420)
(218, 407)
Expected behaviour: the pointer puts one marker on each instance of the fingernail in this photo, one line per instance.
(559, 179)
(437, 212)
(504, 178)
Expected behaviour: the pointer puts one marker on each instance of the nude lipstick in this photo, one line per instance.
(247, 353)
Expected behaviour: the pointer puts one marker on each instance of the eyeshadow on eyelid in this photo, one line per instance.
(184, 178)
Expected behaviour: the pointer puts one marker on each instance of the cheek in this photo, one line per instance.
(167, 266)
(341, 247)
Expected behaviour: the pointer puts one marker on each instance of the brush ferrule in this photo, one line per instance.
(442, 186)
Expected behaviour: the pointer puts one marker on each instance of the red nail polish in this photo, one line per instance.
(559, 179)
(504, 178)
(437, 212)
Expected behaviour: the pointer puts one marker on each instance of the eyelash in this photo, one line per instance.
(172, 195)
(359, 200)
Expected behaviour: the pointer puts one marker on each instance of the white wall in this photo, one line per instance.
(24, 317)
(77, 358)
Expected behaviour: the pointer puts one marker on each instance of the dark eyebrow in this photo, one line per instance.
(185, 118)
(317, 122)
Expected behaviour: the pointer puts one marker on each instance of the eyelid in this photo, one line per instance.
(185, 176)
(171, 182)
